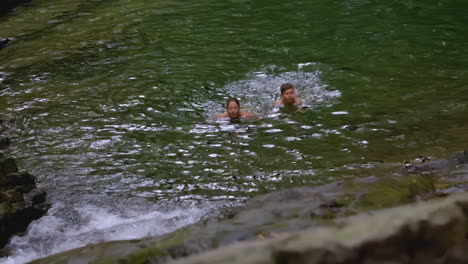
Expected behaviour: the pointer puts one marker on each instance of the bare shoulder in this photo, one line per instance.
(279, 102)
(246, 114)
(223, 115)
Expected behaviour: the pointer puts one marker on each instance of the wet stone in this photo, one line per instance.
(7, 165)
(35, 196)
(4, 42)
(4, 142)
(23, 179)
(5, 210)
(20, 201)
(458, 158)
(13, 196)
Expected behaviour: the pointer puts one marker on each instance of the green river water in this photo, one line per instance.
(111, 99)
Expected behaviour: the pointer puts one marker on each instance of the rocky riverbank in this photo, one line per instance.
(429, 232)
(21, 201)
(312, 224)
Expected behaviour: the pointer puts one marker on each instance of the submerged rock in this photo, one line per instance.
(457, 158)
(4, 42)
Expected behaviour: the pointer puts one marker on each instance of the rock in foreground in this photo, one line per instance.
(312, 224)
(429, 232)
(263, 217)
(20, 201)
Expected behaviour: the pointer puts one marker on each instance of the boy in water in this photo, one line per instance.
(233, 110)
(288, 96)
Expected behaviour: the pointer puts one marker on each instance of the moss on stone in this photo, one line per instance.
(7, 165)
(6, 210)
(13, 196)
(3, 196)
(265, 216)
(387, 192)
(20, 179)
(138, 257)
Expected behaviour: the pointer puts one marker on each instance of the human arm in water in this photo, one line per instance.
(241, 114)
(297, 101)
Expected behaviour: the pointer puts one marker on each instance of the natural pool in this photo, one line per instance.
(111, 99)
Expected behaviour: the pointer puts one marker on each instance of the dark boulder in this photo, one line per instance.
(4, 142)
(7, 166)
(4, 42)
(7, 5)
(19, 180)
(21, 201)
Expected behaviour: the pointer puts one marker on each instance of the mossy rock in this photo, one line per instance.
(7, 165)
(23, 180)
(420, 233)
(268, 215)
(3, 196)
(12, 196)
(386, 192)
(6, 210)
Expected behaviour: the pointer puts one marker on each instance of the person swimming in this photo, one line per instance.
(288, 96)
(233, 110)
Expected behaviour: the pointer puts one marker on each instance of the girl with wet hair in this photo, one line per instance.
(233, 110)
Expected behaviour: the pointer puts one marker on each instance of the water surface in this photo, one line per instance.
(111, 100)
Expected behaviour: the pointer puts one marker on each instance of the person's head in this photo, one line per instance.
(288, 93)
(233, 107)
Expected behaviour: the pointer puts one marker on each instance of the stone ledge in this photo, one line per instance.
(425, 232)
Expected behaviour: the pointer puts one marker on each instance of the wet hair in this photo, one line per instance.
(286, 86)
(232, 99)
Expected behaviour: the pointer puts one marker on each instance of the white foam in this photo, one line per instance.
(273, 130)
(260, 89)
(65, 228)
(340, 113)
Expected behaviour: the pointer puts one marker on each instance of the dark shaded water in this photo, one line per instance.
(111, 99)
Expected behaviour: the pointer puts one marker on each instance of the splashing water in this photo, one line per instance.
(96, 220)
(259, 89)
